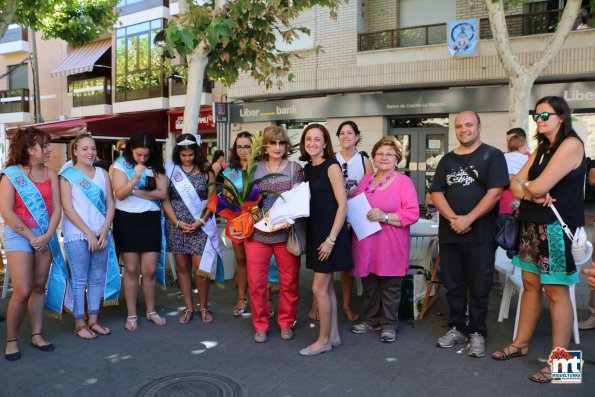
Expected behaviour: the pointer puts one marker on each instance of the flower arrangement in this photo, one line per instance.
(241, 206)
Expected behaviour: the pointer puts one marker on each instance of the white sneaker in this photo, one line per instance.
(477, 345)
(451, 338)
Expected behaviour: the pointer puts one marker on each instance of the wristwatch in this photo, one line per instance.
(386, 218)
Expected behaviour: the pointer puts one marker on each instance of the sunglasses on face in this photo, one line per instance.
(544, 116)
(345, 174)
(277, 143)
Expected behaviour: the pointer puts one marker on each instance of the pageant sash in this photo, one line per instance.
(196, 206)
(128, 169)
(97, 198)
(59, 280)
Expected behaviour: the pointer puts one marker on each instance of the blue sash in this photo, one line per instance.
(59, 280)
(141, 184)
(97, 197)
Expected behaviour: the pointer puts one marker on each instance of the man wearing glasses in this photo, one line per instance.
(466, 189)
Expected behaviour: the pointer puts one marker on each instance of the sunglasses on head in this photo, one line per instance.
(344, 166)
(544, 116)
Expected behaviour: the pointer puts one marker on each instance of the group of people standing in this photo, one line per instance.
(466, 190)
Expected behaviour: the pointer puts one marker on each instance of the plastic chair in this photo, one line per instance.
(514, 282)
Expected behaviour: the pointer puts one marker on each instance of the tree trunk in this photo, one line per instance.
(197, 62)
(35, 70)
(7, 16)
(521, 77)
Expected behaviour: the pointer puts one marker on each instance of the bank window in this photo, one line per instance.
(138, 66)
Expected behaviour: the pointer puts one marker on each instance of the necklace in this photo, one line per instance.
(191, 171)
(278, 167)
(382, 182)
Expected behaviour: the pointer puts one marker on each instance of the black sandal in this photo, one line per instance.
(518, 352)
(44, 348)
(12, 356)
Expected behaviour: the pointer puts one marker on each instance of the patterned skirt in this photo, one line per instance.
(546, 251)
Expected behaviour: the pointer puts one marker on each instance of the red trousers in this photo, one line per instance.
(258, 258)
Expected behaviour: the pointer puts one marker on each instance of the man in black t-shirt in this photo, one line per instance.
(466, 189)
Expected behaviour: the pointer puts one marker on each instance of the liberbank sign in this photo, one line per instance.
(580, 95)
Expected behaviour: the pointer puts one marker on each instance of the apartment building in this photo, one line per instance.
(385, 64)
(111, 88)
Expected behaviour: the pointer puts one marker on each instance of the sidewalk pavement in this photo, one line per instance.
(122, 363)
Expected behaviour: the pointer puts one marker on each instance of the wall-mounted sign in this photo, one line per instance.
(205, 120)
(462, 37)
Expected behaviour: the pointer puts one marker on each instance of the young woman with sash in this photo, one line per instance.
(88, 205)
(190, 227)
(30, 206)
(137, 222)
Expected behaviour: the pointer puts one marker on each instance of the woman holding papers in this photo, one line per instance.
(262, 245)
(88, 204)
(30, 206)
(382, 258)
(139, 183)
(327, 238)
(187, 227)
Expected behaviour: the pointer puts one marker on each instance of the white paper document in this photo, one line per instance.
(357, 214)
(292, 204)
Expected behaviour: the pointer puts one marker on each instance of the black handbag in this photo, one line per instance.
(508, 235)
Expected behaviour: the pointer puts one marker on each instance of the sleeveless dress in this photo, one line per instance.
(323, 208)
(186, 243)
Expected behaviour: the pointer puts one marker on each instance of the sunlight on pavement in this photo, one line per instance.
(89, 382)
(209, 344)
(390, 359)
(116, 358)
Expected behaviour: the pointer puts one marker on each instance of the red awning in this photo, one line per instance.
(114, 126)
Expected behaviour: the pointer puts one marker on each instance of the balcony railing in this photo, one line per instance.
(142, 84)
(518, 25)
(15, 34)
(91, 92)
(14, 101)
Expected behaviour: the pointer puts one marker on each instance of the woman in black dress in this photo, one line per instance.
(327, 244)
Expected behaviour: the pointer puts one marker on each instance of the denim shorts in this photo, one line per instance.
(14, 242)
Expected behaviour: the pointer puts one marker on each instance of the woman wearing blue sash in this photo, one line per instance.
(188, 221)
(88, 205)
(30, 206)
(139, 184)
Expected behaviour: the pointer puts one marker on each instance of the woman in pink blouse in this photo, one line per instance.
(382, 259)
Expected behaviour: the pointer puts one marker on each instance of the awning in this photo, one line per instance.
(82, 59)
(114, 126)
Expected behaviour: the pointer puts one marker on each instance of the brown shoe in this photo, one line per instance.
(260, 337)
(588, 323)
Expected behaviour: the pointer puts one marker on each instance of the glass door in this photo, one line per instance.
(422, 150)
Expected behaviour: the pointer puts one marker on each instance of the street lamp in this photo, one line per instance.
(160, 45)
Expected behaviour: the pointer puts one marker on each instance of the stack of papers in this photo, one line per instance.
(293, 204)
(357, 214)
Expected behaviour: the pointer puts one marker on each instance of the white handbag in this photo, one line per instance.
(581, 248)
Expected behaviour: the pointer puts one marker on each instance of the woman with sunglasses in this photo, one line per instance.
(261, 246)
(190, 228)
(139, 184)
(554, 173)
(354, 166)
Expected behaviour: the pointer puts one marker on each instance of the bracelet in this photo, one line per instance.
(201, 221)
(330, 241)
(178, 224)
(132, 191)
(386, 219)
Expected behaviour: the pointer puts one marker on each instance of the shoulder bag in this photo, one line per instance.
(296, 240)
(508, 235)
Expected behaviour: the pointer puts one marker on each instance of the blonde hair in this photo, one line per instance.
(73, 145)
(271, 134)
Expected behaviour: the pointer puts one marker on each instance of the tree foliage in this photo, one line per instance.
(241, 36)
(75, 21)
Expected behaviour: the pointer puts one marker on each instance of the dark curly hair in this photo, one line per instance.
(234, 159)
(354, 127)
(199, 158)
(22, 140)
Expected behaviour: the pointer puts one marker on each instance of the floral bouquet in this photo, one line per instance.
(241, 207)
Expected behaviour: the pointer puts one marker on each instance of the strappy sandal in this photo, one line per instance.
(238, 311)
(133, 321)
(99, 329)
(507, 352)
(187, 316)
(206, 316)
(84, 327)
(156, 319)
(12, 356)
(544, 375)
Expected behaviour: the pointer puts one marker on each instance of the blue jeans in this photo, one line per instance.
(87, 269)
